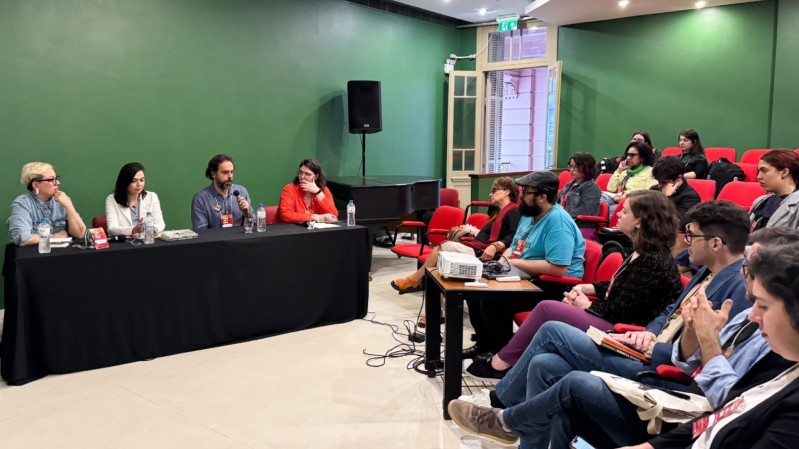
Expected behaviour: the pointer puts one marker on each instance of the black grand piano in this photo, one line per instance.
(380, 200)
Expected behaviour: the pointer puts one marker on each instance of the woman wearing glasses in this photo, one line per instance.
(126, 208)
(634, 172)
(581, 195)
(43, 200)
(307, 198)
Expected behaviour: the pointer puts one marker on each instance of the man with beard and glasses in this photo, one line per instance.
(217, 206)
(547, 241)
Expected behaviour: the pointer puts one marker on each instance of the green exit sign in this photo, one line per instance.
(508, 23)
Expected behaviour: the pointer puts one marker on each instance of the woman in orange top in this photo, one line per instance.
(307, 198)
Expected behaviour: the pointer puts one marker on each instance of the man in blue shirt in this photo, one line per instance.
(547, 241)
(218, 206)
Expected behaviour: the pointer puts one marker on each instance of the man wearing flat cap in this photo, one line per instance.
(547, 241)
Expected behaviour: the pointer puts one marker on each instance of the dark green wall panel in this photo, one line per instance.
(707, 69)
(784, 130)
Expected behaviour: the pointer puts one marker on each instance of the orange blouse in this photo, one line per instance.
(291, 208)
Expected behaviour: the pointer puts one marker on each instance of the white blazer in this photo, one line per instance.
(118, 217)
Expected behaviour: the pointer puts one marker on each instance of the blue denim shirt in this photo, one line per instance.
(208, 206)
(26, 212)
(721, 373)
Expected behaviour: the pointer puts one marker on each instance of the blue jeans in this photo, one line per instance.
(533, 389)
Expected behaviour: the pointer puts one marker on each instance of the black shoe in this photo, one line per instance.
(474, 351)
(481, 367)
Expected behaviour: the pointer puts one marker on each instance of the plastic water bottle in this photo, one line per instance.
(350, 213)
(44, 235)
(149, 229)
(261, 218)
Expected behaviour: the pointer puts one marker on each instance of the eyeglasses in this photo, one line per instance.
(530, 192)
(744, 269)
(54, 179)
(631, 155)
(303, 174)
(496, 189)
(690, 236)
(571, 166)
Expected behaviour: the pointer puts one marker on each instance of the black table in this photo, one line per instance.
(74, 310)
(455, 293)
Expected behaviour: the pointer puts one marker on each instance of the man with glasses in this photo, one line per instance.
(218, 206)
(547, 241)
(43, 200)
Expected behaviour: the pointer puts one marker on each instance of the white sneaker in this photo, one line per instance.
(482, 399)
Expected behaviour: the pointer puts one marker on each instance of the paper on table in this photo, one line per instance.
(60, 240)
(325, 225)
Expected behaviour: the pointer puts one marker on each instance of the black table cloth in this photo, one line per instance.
(74, 309)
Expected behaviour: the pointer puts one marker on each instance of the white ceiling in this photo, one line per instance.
(556, 12)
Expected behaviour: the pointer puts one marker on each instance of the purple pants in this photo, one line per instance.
(543, 312)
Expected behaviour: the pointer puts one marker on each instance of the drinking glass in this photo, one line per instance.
(248, 222)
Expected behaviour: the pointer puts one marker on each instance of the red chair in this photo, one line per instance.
(593, 252)
(602, 181)
(601, 220)
(100, 222)
(741, 193)
(604, 272)
(671, 151)
(715, 153)
(449, 197)
(444, 218)
(271, 215)
(750, 171)
(563, 178)
(477, 219)
(753, 156)
(614, 219)
(706, 188)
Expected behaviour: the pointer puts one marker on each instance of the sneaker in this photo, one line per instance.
(480, 421)
(481, 367)
(482, 398)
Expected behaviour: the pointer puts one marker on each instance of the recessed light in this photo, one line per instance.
(482, 11)
(623, 3)
(700, 5)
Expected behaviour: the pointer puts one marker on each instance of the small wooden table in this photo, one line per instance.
(455, 292)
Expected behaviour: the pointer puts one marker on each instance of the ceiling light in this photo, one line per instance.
(699, 5)
(623, 3)
(482, 11)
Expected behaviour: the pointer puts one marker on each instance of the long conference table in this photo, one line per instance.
(79, 309)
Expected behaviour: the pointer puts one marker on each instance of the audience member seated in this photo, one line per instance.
(643, 136)
(488, 242)
(646, 283)
(126, 208)
(634, 172)
(778, 173)
(547, 241)
(307, 198)
(43, 200)
(668, 171)
(581, 195)
(541, 382)
(217, 206)
(693, 155)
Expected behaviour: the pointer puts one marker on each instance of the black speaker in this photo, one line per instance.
(364, 107)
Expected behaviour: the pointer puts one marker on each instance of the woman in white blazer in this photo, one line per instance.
(126, 208)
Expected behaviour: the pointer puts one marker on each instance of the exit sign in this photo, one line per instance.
(508, 23)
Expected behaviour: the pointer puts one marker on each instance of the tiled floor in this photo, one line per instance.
(301, 390)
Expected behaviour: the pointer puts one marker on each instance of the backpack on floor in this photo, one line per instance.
(723, 171)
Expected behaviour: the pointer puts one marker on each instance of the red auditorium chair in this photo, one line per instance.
(741, 193)
(750, 171)
(444, 218)
(100, 222)
(672, 151)
(563, 178)
(271, 215)
(715, 153)
(449, 197)
(602, 181)
(753, 156)
(706, 188)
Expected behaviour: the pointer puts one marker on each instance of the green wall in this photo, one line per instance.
(707, 69)
(89, 85)
(784, 129)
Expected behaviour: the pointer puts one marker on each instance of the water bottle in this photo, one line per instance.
(149, 229)
(44, 236)
(261, 218)
(350, 213)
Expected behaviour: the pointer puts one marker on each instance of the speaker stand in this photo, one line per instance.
(363, 153)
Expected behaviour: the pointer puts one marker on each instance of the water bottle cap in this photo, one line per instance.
(149, 213)
(260, 204)
(350, 202)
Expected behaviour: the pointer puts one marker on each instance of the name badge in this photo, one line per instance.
(227, 220)
(517, 251)
(702, 424)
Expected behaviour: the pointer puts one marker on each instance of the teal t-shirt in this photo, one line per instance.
(555, 238)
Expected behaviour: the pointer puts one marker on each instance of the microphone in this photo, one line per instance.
(116, 238)
(246, 211)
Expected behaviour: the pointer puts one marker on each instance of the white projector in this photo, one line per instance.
(459, 265)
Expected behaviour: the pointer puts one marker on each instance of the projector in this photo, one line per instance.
(459, 265)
